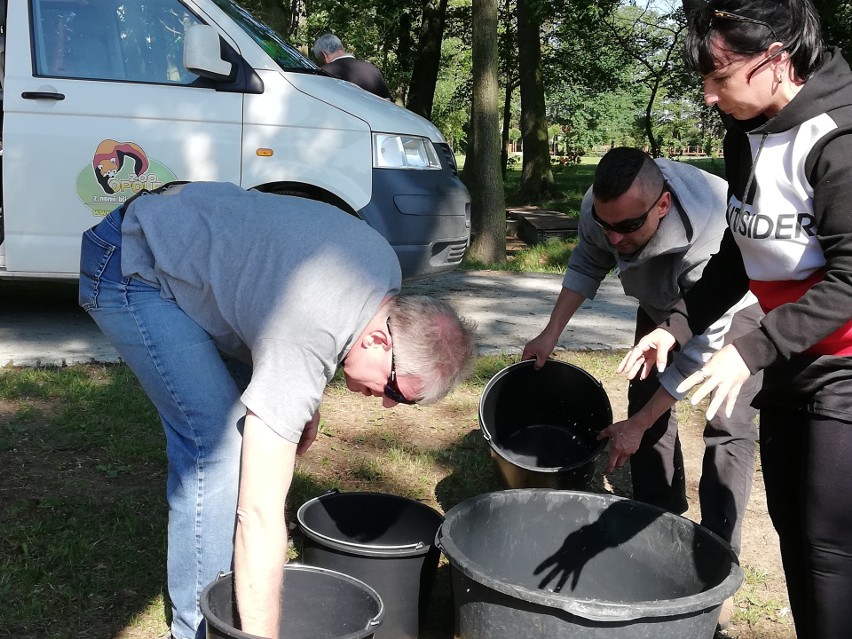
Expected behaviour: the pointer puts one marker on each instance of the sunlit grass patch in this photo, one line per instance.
(754, 602)
(550, 256)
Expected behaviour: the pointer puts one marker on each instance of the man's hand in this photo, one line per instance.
(539, 348)
(652, 349)
(309, 434)
(725, 373)
(624, 439)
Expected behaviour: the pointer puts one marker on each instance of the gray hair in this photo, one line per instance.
(431, 343)
(326, 43)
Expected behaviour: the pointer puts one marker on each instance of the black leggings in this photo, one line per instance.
(807, 468)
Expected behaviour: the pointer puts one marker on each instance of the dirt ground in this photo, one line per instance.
(352, 452)
(436, 454)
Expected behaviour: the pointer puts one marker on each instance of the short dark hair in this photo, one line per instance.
(751, 28)
(620, 168)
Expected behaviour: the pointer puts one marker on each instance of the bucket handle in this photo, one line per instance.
(339, 542)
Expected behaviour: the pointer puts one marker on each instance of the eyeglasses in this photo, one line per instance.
(727, 15)
(633, 224)
(391, 390)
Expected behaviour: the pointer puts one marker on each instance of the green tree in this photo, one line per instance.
(589, 84)
(282, 16)
(424, 77)
(488, 208)
(653, 40)
(837, 23)
(536, 176)
(509, 72)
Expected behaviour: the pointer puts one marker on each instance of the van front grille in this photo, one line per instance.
(449, 252)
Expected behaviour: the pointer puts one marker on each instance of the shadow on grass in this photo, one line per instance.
(440, 618)
(83, 531)
(471, 473)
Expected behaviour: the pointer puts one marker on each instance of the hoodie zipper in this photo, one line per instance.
(752, 171)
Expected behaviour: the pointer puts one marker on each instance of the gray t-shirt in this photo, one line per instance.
(282, 282)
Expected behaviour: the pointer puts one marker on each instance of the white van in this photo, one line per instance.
(104, 98)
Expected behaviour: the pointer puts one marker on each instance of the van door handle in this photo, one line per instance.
(42, 95)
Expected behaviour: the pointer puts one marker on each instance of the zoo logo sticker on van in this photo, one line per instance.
(117, 172)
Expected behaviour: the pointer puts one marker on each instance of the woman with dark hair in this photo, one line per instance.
(788, 160)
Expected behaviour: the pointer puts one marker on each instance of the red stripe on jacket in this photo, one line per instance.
(775, 293)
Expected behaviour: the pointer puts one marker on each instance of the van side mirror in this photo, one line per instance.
(202, 53)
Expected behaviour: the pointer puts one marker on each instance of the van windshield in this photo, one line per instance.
(284, 53)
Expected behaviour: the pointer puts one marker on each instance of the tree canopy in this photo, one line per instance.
(572, 77)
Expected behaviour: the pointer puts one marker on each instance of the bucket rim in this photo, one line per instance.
(489, 437)
(368, 550)
(372, 624)
(592, 609)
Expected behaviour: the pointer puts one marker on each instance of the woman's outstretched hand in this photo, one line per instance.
(723, 375)
(652, 349)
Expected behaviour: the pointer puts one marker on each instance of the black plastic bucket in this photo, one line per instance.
(384, 540)
(542, 425)
(317, 604)
(556, 563)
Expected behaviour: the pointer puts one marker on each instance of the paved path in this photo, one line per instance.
(40, 323)
(510, 309)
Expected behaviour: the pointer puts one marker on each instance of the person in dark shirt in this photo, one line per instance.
(329, 52)
(789, 241)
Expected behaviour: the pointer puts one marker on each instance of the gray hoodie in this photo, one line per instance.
(668, 265)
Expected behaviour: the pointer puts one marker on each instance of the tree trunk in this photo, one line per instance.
(649, 121)
(424, 76)
(507, 123)
(403, 45)
(468, 173)
(277, 17)
(488, 208)
(537, 177)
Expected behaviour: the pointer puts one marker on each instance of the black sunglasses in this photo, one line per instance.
(391, 390)
(736, 17)
(632, 224)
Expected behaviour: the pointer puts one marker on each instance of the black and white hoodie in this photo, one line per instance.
(789, 240)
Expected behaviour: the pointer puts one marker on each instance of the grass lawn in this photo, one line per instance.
(83, 531)
(572, 182)
(83, 525)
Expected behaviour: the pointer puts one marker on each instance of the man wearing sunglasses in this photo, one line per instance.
(295, 289)
(657, 223)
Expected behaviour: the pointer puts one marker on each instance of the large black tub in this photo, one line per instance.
(542, 425)
(317, 604)
(555, 563)
(386, 541)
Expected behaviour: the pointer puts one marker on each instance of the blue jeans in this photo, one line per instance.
(198, 401)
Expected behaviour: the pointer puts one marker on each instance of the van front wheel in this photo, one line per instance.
(308, 194)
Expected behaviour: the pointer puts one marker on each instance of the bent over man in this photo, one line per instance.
(292, 287)
(658, 222)
(333, 58)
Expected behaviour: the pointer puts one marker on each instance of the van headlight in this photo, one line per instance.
(403, 152)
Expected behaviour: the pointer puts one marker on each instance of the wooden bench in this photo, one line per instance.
(538, 225)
